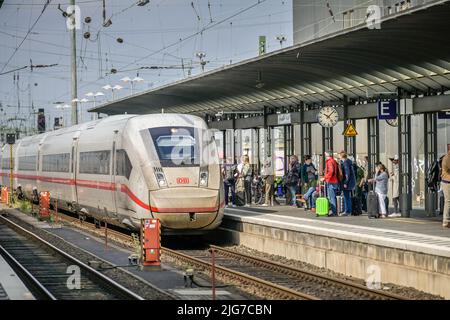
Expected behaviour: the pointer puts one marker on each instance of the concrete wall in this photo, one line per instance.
(426, 272)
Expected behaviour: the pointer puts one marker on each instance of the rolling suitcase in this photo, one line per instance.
(356, 205)
(372, 204)
(322, 205)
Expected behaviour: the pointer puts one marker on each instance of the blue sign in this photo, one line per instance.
(387, 110)
(444, 115)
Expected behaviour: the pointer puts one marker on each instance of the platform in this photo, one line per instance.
(409, 251)
(11, 286)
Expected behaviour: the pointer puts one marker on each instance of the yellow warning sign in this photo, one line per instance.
(350, 131)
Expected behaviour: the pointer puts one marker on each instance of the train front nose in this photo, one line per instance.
(186, 207)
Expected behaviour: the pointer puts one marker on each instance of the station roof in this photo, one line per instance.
(411, 50)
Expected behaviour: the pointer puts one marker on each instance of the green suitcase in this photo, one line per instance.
(322, 205)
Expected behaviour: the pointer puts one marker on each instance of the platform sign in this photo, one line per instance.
(350, 131)
(444, 114)
(387, 110)
(262, 45)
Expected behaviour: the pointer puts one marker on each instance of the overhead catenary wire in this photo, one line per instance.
(23, 40)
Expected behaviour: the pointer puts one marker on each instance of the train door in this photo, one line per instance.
(73, 170)
(113, 173)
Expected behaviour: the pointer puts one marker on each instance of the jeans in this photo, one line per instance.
(269, 194)
(446, 188)
(230, 184)
(347, 201)
(331, 191)
(293, 191)
(309, 196)
(248, 191)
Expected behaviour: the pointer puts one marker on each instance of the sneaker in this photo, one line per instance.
(264, 205)
(247, 205)
(234, 206)
(446, 225)
(394, 215)
(382, 216)
(227, 206)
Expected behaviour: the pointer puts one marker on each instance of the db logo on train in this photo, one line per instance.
(182, 180)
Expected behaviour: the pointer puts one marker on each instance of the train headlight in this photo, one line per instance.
(161, 179)
(203, 179)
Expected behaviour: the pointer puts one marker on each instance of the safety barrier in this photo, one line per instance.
(151, 242)
(44, 205)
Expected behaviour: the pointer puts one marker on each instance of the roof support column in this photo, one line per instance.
(430, 146)
(224, 145)
(373, 144)
(349, 142)
(404, 153)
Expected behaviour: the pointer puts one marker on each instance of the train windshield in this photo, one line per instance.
(176, 146)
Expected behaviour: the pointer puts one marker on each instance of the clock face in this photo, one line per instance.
(392, 122)
(328, 117)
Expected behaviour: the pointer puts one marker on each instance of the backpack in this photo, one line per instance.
(230, 170)
(340, 172)
(249, 174)
(434, 174)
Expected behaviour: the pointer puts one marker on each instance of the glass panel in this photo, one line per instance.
(278, 150)
(443, 136)
(418, 161)
(316, 146)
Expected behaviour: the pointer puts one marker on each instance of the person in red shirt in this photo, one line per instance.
(331, 180)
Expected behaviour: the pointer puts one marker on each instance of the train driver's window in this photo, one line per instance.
(123, 164)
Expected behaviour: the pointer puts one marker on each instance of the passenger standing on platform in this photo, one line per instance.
(363, 183)
(229, 173)
(381, 181)
(247, 175)
(348, 182)
(445, 185)
(309, 174)
(268, 183)
(395, 178)
(332, 180)
(293, 178)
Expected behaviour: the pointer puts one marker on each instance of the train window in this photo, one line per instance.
(56, 162)
(95, 162)
(176, 146)
(123, 164)
(27, 163)
(5, 164)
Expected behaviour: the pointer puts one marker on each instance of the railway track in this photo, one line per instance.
(293, 276)
(52, 274)
(264, 277)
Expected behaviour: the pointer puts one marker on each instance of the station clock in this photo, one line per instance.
(328, 117)
(392, 122)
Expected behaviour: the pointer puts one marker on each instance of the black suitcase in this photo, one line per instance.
(356, 206)
(240, 198)
(372, 205)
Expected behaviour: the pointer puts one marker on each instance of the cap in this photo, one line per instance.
(394, 158)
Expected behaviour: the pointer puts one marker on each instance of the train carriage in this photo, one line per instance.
(123, 168)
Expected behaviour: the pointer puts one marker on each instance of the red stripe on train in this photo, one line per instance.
(111, 187)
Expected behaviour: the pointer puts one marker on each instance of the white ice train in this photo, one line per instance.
(124, 168)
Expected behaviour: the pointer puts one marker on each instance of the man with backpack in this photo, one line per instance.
(332, 180)
(230, 173)
(445, 185)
